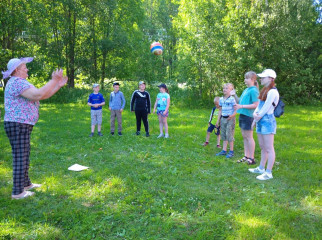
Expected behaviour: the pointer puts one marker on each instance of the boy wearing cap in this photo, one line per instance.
(141, 104)
(96, 101)
(116, 106)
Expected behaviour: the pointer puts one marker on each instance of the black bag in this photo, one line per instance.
(279, 108)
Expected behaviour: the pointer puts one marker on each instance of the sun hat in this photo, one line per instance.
(267, 73)
(95, 85)
(14, 63)
(141, 82)
(162, 85)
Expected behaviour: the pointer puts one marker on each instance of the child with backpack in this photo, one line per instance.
(266, 124)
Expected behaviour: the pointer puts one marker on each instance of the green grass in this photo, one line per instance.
(148, 188)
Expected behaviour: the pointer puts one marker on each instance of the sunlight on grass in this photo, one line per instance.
(13, 228)
(252, 222)
(110, 186)
(313, 204)
(5, 171)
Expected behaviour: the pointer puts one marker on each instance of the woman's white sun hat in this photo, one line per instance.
(14, 63)
(267, 73)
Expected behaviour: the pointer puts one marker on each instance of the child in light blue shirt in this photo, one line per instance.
(162, 103)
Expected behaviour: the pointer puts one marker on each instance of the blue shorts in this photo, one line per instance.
(160, 112)
(245, 122)
(267, 125)
(211, 129)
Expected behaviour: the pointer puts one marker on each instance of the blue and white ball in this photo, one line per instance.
(156, 48)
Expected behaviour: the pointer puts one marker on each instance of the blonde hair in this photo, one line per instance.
(253, 76)
(216, 100)
(229, 85)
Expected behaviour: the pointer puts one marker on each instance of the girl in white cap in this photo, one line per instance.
(21, 101)
(266, 124)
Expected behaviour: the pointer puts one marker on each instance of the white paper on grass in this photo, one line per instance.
(77, 168)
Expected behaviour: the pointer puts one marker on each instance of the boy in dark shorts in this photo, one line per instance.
(212, 124)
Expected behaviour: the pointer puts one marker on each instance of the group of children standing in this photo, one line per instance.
(254, 108)
(140, 104)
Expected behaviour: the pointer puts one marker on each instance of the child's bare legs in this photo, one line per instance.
(93, 128)
(218, 140)
(224, 145)
(208, 136)
(99, 127)
(266, 143)
(160, 123)
(231, 146)
(249, 143)
(165, 124)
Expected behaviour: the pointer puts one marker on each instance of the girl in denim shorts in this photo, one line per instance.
(248, 101)
(162, 103)
(266, 124)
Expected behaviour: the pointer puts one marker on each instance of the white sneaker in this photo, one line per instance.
(256, 170)
(32, 186)
(166, 135)
(22, 195)
(265, 176)
(161, 135)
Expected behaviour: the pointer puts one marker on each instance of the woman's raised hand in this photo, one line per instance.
(59, 77)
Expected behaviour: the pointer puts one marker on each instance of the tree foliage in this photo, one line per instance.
(206, 42)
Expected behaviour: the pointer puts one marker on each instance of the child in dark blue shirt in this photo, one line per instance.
(96, 101)
(212, 124)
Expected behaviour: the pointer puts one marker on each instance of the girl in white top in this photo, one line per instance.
(266, 124)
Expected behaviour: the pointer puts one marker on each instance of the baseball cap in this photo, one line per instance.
(162, 85)
(267, 73)
(116, 83)
(95, 85)
(141, 82)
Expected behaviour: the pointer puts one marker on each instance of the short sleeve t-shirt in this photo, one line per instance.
(18, 108)
(96, 99)
(249, 96)
(162, 101)
(227, 106)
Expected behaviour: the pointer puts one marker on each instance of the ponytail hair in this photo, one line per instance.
(167, 90)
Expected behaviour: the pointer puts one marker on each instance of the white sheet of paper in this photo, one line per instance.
(77, 168)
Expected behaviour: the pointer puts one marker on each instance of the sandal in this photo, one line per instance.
(244, 159)
(251, 161)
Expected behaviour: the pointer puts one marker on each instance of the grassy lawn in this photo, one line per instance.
(148, 188)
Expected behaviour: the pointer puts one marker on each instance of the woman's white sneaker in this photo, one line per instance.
(265, 176)
(256, 170)
(166, 135)
(32, 186)
(22, 195)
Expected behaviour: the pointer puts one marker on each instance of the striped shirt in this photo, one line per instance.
(227, 106)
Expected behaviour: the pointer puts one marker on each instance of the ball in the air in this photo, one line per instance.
(156, 48)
